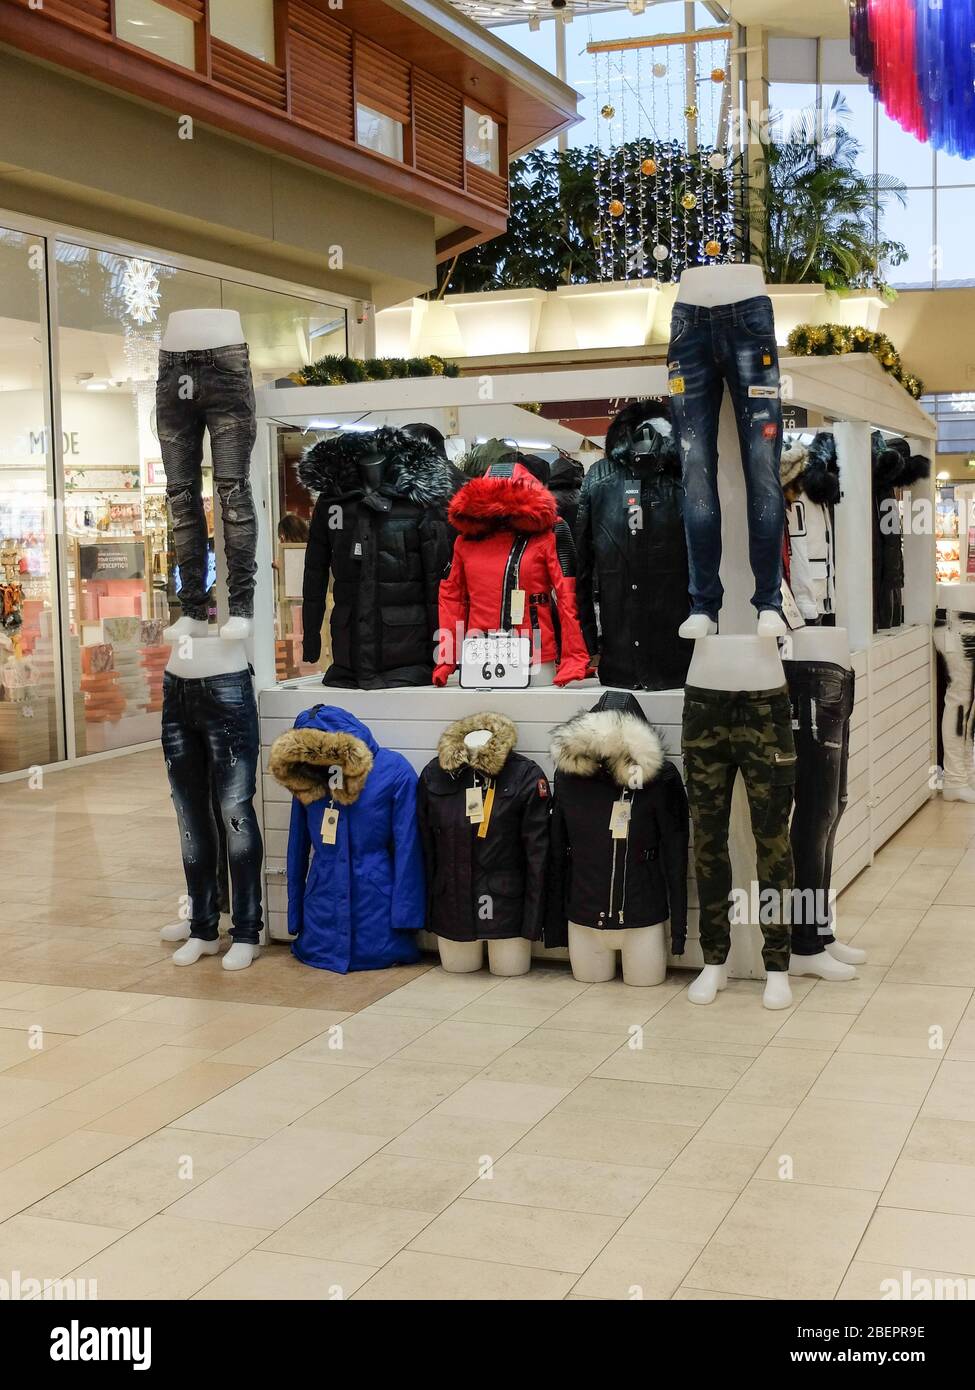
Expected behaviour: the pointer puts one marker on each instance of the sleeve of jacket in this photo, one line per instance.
(409, 880)
(674, 837)
(535, 822)
(585, 570)
(452, 615)
(436, 542)
(314, 585)
(556, 918)
(428, 841)
(573, 662)
(299, 850)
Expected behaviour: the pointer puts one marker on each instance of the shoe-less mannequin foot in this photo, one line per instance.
(705, 988)
(771, 624)
(823, 964)
(240, 956)
(777, 994)
(697, 625)
(236, 629)
(186, 627)
(176, 931)
(849, 955)
(958, 794)
(193, 950)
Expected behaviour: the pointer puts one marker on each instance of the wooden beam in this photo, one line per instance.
(660, 41)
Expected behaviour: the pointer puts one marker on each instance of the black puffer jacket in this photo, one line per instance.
(565, 481)
(491, 886)
(386, 552)
(632, 559)
(894, 467)
(610, 754)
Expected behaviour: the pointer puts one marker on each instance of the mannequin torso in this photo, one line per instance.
(736, 663)
(196, 658)
(830, 644)
(709, 285)
(195, 330)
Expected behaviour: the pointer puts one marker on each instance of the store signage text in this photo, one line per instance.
(37, 442)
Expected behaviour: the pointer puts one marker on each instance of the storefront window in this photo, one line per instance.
(30, 724)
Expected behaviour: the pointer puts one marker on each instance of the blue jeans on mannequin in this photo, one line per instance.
(733, 344)
(211, 744)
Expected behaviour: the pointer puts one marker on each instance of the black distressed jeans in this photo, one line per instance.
(822, 704)
(211, 744)
(209, 390)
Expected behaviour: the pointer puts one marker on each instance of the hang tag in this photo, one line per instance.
(357, 549)
(330, 826)
(676, 385)
(619, 821)
(482, 829)
(632, 492)
(517, 606)
(475, 805)
(764, 393)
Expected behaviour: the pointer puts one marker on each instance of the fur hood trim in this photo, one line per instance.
(516, 502)
(453, 753)
(415, 471)
(317, 763)
(623, 428)
(610, 740)
(821, 479)
(793, 461)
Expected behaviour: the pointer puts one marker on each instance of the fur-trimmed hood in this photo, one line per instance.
(453, 753)
(624, 427)
(508, 498)
(415, 469)
(329, 753)
(793, 461)
(821, 478)
(615, 737)
(893, 463)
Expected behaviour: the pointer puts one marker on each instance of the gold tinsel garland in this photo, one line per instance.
(833, 339)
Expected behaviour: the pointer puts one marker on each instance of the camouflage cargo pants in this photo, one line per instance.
(748, 731)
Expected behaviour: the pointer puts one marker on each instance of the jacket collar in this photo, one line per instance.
(453, 753)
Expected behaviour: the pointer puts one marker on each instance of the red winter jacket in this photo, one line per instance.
(506, 524)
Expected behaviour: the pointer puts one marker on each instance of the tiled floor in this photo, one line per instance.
(283, 1133)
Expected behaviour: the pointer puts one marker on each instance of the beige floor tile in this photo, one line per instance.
(271, 1098)
(277, 1039)
(532, 1067)
(169, 1100)
(952, 1093)
(741, 1122)
(920, 1240)
(144, 1179)
(502, 1100)
(20, 1097)
(886, 932)
(93, 1054)
(926, 1186)
(780, 1077)
(418, 1277)
(30, 998)
(456, 1138)
(736, 1016)
(714, 1166)
(749, 1255)
(388, 1099)
(21, 1138)
(934, 1141)
(962, 1045)
(87, 1010)
(612, 1008)
(676, 1066)
(904, 1020)
(40, 1248)
(277, 1178)
(888, 1080)
(42, 1172)
(846, 997)
(564, 1184)
(568, 1133)
(463, 1044)
(263, 1274)
(358, 1232)
(643, 1100)
(396, 1180)
(688, 1215)
(807, 1027)
(868, 1282)
(518, 1235)
(635, 1267)
(128, 1082)
(363, 1041)
(941, 951)
(839, 1143)
(167, 1258)
(688, 1295)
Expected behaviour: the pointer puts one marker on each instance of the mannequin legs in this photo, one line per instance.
(512, 956)
(643, 951)
(713, 978)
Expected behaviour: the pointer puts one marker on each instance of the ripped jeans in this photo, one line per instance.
(209, 390)
(211, 743)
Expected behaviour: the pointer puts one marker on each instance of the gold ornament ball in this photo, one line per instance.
(615, 208)
(712, 248)
(688, 201)
(648, 167)
(717, 74)
(608, 111)
(690, 112)
(660, 69)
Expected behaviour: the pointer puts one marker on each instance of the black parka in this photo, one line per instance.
(386, 565)
(490, 887)
(894, 467)
(594, 879)
(632, 560)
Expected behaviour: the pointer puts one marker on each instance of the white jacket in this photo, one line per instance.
(812, 567)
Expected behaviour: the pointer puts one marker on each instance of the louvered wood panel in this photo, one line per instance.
(189, 9)
(438, 129)
(487, 187)
(92, 15)
(233, 68)
(320, 71)
(382, 80)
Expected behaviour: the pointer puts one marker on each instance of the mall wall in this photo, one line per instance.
(932, 331)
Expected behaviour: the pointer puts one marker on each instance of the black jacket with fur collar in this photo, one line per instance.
(490, 886)
(609, 755)
(386, 552)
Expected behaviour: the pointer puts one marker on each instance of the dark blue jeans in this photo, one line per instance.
(733, 344)
(211, 743)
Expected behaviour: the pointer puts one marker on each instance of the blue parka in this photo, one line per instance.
(360, 902)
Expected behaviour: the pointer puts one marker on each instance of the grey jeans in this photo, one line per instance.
(209, 390)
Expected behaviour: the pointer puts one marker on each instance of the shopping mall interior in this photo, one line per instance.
(391, 594)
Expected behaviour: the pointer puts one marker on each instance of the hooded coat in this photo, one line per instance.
(484, 886)
(510, 538)
(356, 904)
(602, 757)
(632, 559)
(894, 467)
(386, 552)
(565, 479)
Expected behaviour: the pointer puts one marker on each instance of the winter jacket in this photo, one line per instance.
(632, 560)
(894, 467)
(509, 540)
(484, 887)
(359, 903)
(565, 480)
(387, 552)
(611, 754)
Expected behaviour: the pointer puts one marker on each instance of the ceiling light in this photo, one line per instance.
(944, 476)
(96, 386)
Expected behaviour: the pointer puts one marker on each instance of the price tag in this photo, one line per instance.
(488, 808)
(517, 606)
(619, 821)
(330, 826)
(475, 805)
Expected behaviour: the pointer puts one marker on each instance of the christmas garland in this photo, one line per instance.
(339, 371)
(833, 339)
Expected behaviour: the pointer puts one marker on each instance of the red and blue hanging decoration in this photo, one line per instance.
(919, 59)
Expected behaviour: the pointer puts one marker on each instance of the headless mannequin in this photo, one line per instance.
(511, 956)
(829, 644)
(709, 286)
(197, 330)
(737, 663)
(956, 598)
(643, 952)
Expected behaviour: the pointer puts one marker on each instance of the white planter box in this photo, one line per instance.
(611, 315)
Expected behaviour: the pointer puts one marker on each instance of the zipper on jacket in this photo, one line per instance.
(509, 581)
(624, 796)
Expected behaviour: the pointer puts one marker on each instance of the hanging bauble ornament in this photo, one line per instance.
(659, 69)
(608, 112)
(690, 112)
(712, 248)
(648, 167)
(717, 74)
(716, 161)
(661, 252)
(688, 202)
(615, 208)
